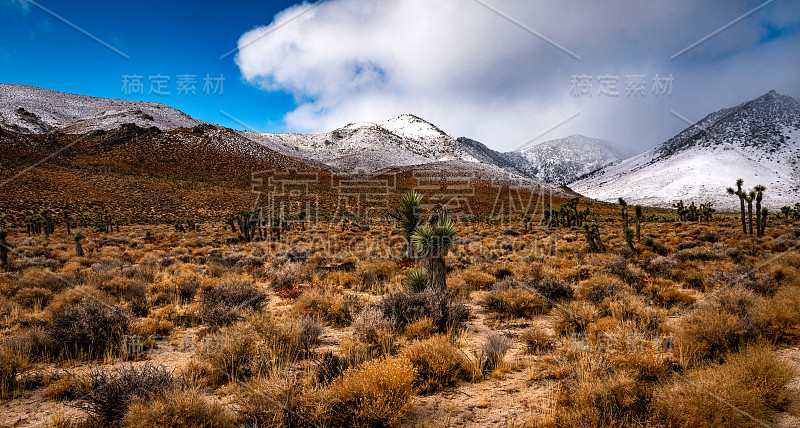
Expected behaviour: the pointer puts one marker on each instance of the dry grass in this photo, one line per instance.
(747, 389)
(598, 339)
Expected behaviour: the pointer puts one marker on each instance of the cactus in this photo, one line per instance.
(79, 235)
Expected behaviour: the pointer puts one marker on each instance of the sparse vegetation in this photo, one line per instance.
(201, 328)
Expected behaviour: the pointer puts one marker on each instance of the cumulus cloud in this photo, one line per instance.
(474, 73)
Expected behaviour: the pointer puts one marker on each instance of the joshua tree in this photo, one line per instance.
(638, 212)
(592, 231)
(763, 220)
(786, 211)
(433, 242)
(3, 248)
(624, 206)
(749, 199)
(79, 235)
(629, 239)
(65, 215)
(707, 211)
(408, 217)
(738, 192)
(759, 196)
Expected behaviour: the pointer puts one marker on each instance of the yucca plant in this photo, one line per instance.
(416, 280)
(741, 194)
(408, 217)
(759, 197)
(638, 212)
(433, 242)
(79, 236)
(749, 199)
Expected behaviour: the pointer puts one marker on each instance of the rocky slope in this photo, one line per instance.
(28, 109)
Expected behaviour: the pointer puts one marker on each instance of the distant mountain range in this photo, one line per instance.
(756, 141)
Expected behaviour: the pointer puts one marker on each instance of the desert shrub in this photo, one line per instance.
(719, 326)
(372, 328)
(751, 280)
(469, 280)
(278, 400)
(178, 408)
(777, 319)
(230, 355)
(14, 360)
(67, 387)
(700, 253)
(621, 268)
(293, 255)
(492, 352)
(31, 297)
(112, 391)
(329, 367)
(331, 306)
(37, 277)
(510, 301)
(553, 289)
(665, 294)
(421, 328)
(573, 317)
(89, 328)
(222, 303)
(750, 383)
(660, 265)
(437, 361)
(251, 347)
(600, 286)
(287, 274)
(629, 307)
(375, 273)
(402, 308)
(378, 393)
(136, 294)
(537, 339)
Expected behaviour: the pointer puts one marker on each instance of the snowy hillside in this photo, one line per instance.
(371, 146)
(28, 109)
(756, 141)
(563, 160)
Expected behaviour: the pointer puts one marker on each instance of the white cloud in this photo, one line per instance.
(474, 73)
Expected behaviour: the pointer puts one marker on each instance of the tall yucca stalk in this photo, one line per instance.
(408, 217)
(433, 242)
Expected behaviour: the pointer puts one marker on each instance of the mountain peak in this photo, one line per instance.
(754, 123)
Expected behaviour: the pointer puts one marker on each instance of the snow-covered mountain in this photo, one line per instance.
(371, 146)
(564, 160)
(756, 141)
(28, 109)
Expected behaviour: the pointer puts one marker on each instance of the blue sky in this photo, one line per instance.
(160, 38)
(499, 71)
